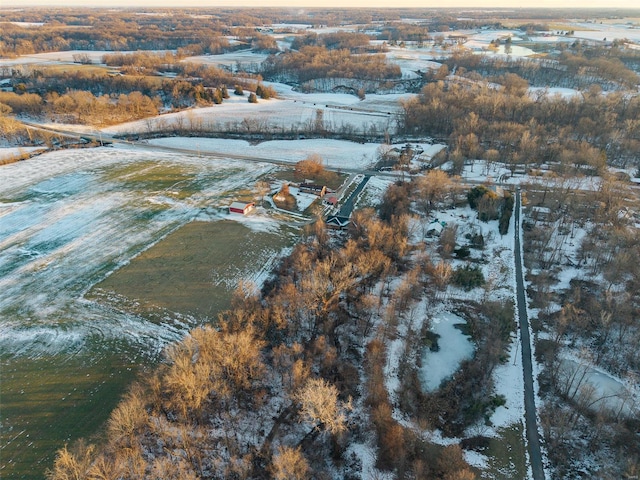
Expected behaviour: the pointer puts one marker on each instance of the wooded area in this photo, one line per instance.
(580, 134)
(291, 379)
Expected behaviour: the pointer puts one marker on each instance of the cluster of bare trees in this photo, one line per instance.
(580, 133)
(354, 42)
(83, 107)
(14, 132)
(100, 98)
(197, 32)
(312, 62)
(111, 30)
(593, 232)
(611, 68)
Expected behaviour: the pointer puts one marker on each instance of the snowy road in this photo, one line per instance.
(533, 438)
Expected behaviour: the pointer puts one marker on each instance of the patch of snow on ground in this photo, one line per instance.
(566, 93)
(7, 153)
(509, 382)
(476, 459)
(257, 221)
(367, 456)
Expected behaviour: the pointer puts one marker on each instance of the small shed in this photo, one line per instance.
(337, 222)
(241, 207)
(498, 190)
(331, 199)
(435, 228)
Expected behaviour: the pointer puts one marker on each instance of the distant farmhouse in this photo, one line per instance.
(319, 190)
(241, 207)
(457, 39)
(337, 222)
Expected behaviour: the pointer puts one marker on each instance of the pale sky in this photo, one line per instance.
(578, 4)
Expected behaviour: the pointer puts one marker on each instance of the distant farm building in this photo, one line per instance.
(456, 39)
(337, 222)
(319, 190)
(331, 199)
(241, 207)
(498, 190)
(541, 214)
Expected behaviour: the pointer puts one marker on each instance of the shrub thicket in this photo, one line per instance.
(505, 214)
(468, 277)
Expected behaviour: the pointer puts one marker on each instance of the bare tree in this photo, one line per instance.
(320, 407)
(72, 465)
(289, 464)
(433, 189)
(263, 188)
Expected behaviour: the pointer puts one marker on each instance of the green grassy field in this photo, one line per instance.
(506, 455)
(79, 390)
(194, 270)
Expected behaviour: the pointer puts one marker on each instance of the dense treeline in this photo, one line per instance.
(112, 31)
(100, 97)
(204, 30)
(14, 132)
(313, 62)
(354, 42)
(196, 31)
(83, 107)
(568, 70)
(402, 32)
(507, 124)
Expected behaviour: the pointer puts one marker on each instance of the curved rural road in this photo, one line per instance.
(533, 439)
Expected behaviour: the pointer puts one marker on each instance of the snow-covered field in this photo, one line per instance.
(607, 30)
(336, 153)
(230, 60)
(55, 57)
(413, 58)
(563, 92)
(70, 217)
(277, 114)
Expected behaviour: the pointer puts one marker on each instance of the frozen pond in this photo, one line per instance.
(455, 347)
(598, 389)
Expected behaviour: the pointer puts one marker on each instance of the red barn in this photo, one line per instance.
(241, 207)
